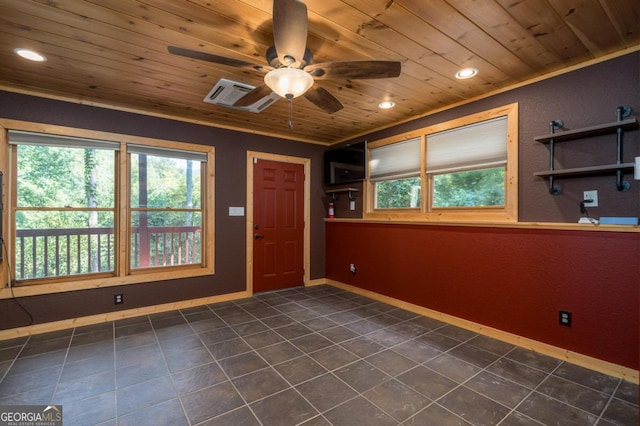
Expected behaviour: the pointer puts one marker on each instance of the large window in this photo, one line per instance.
(465, 169)
(166, 207)
(64, 206)
(107, 211)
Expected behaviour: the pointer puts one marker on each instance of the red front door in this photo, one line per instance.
(278, 225)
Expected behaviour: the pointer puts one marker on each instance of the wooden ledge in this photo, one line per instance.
(561, 226)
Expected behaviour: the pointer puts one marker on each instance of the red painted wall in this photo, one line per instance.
(515, 280)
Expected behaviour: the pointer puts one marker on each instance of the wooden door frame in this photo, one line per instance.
(306, 162)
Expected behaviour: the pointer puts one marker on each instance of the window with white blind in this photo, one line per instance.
(394, 171)
(467, 164)
(464, 169)
(93, 211)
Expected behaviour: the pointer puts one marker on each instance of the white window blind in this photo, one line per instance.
(167, 152)
(398, 160)
(476, 146)
(17, 137)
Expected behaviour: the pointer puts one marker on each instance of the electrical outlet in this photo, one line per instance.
(352, 268)
(590, 198)
(564, 318)
(118, 299)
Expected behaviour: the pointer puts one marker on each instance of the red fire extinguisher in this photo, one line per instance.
(332, 212)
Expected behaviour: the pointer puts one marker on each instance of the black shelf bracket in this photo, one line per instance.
(350, 191)
(553, 125)
(621, 113)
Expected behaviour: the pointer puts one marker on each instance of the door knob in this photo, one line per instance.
(258, 236)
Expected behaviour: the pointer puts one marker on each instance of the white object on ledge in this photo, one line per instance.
(588, 220)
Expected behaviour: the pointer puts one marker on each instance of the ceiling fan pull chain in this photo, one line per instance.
(290, 122)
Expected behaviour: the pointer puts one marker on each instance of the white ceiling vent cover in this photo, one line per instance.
(227, 92)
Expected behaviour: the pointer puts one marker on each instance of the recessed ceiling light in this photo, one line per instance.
(386, 104)
(30, 55)
(466, 73)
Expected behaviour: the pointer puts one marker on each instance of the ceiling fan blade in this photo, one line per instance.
(354, 70)
(323, 99)
(217, 59)
(290, 24)
(253, 96)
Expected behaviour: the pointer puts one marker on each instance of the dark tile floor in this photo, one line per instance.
(316, 356)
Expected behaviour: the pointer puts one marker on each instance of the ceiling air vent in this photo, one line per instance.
(227, 92)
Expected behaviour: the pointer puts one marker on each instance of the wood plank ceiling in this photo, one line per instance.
(114, 52)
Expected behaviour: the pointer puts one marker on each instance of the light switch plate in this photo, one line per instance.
(236, 211)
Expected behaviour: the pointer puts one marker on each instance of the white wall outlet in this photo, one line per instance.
(590, 198)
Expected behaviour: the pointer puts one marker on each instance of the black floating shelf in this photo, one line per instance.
(591, 170)
(334, 192)
(618, 127)
(600, 129)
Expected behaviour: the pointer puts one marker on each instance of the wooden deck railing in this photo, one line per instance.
(62, 252)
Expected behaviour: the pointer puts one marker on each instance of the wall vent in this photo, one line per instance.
(227, 92)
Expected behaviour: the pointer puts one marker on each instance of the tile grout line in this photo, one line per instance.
(115, 373)
(513, 409)
(383, 348)
(217, 364)
(157, 341)
(609, 400)
(598, 416)
(316, 332)
(64, 362)
(15, 358)
(246, 404)
(549, 374)
(335, 344)
(462, 383)
(363, 359)
(270, 366)
(418, 364)
(535, 389)
(327, 371)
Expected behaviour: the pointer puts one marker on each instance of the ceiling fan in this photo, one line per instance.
(290, 71)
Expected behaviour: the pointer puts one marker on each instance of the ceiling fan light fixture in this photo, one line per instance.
(30, 54)
(466, 73)
(288, 82)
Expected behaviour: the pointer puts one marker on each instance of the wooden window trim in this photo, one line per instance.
(121, 276)
(426, 213)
